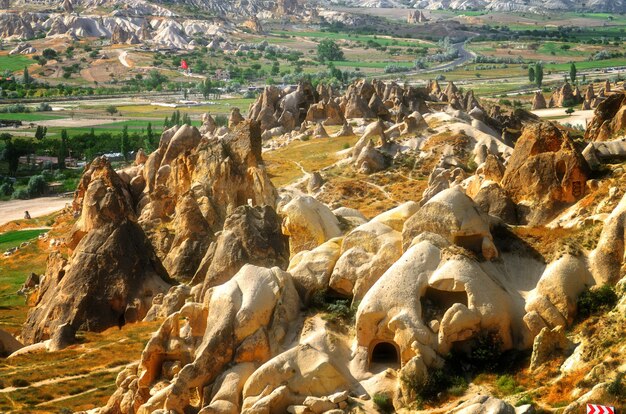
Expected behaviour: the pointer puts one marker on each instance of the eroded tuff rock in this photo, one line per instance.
(192, 183)
(545, 172)
(113, 273)
(243, 322)
(609, 119)
(454, 216)
(308, 223)
(251, 235)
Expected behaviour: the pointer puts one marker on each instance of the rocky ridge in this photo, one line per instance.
(427, 277)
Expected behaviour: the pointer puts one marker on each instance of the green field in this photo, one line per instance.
(596, 64)
(375, 65)
(12, 239)
(30, 117)
(384, 41)
(14, 63)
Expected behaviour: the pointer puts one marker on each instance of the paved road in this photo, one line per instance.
(14, 209)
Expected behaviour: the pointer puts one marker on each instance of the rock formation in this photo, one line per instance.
(539, 101)
(609, 119)
(416, 16)
(545, 171)
(113, 272)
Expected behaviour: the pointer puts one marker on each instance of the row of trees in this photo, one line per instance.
(86, 145)
(535, 74)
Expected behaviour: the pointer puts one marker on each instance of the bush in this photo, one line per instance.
(594, 301)
(18, 382)
(486, 351)
(507, 385)
(458, 386)
(37, 186)
(617, 388)
(383, 402)
(6, 189)
(336, 309)
(526, 399)
(44, 107)
(20, 194)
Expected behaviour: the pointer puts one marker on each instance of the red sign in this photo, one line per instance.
(599, 409)
(183, 64)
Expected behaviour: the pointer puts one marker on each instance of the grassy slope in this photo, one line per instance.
(15, 238)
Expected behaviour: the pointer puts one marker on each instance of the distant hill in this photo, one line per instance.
(536, 6)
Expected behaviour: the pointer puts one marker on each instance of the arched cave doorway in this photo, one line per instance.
(385, 355)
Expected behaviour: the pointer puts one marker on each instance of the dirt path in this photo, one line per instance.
(60, 379)
(14, 209)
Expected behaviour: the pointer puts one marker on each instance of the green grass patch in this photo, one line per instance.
(12, 239)
(30, 117)
(14, 63)
(507, 385)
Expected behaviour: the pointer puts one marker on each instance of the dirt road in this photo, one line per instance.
(14, 209)
(578, 118)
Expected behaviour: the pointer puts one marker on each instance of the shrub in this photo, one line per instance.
(37, 186)
(20, 194)
(336, 309)
(6, 189)
(458, 386)
(617, 388)
(594, 301)
(506, 385)
(526, 399)
(19, 382)
(486, 351)
(44, 107)
(383, 402)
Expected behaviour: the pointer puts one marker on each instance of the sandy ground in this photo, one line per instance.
(79, 122)
(577, 118)
(14, 209)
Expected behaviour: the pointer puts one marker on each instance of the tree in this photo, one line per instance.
(49, 54)
(569, 111)
(62, 149)
(112, 110)
(125, 143)
(207, 87)
(572, 72)
(275, 68)
(14, 148)
(539, 74)
(37, 186)
(329, 50)
(40, 133)
(149, 140)
(531, 74)
(27, 79)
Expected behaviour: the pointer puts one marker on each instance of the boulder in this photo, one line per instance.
(311, 269)
(546, 344)
(8, 344)
(366, 253)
